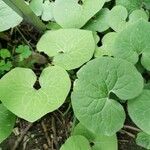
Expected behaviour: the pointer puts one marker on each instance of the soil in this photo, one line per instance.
(51, 131)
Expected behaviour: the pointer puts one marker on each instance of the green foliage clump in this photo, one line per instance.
(97, 52)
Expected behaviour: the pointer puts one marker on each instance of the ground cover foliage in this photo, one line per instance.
(94, 54)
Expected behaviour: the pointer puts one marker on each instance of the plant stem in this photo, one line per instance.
(22, 9)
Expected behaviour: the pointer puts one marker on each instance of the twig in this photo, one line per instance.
(24, 132)
(26, 41)
(54, 132)
(128, 133)
(132, 128)
(73, 124)
(46, 133)
(66, 112)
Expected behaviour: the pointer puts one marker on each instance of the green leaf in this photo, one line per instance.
(101, 142)
(21, 98)
(133, 42)
(107, 44)
(99, 22)
(53, 26)
(47, 10)
(147, 3)
(91, 98)
(42, 8)
(4, 53)
(77, 142)
(70, 14)
(138, 14)
(7, 122)
(130, 4)
(8, 17)
(24, 51)
(5, 66)
(36, 6)
(70, 48)
(139, 111)
(117, 18)
(143, 140)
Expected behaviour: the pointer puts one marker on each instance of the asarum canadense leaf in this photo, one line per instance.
(130, 4)
(77, 142)
(133, 42)
(7, 122)
(20, 97)
(70, 48)
(71, 14)
(139, 111)
(100, 142)
(143, 140)
(117, 18)
(99, 22)
(8, 17)
(92, 96)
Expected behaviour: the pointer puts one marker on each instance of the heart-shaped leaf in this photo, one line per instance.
(100, 142)
(71, 14)
(70, 48)
(19, 96)
(8, 17)
(77, 142)
(117, 18)
(139, 111)
(133, 42)
(7, 122)
(92, 93)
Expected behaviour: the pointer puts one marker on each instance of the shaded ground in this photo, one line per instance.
(51, 131)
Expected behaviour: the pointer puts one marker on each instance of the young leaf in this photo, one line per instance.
(24, 51)
(143, 140)
(130, 4)
(139, 111)
(99, 22)
(7, 122)
(8, 17)
(77, 142)
(4, 53)
(101, 142)
(5, 66)
(70, 48)
(91, 97)
(133, 42)
(70, 14)
(21, 98)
